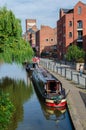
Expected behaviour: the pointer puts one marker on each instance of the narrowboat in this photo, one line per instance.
(51, 113)
(31, 66)
(49, 87)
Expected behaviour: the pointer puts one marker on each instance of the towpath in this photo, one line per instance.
(76, 100)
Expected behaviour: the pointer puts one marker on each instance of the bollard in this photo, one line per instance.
(53, 67)
(78, 78)
(85, 83)
(71, 75)
(65, 72)
(57, 69)
(61, 70)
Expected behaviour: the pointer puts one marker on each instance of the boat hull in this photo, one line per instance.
(52, 103)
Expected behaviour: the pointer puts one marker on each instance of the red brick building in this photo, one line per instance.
(46, 41)
(71, 28)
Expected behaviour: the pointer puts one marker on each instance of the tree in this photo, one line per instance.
(12, 45)
(18, 52)
(74, 53)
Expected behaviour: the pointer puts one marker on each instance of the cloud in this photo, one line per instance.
(44, 11)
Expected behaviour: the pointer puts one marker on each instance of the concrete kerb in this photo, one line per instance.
(76, 106)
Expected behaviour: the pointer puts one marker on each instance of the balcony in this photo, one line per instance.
(79, 29)
(80, 39)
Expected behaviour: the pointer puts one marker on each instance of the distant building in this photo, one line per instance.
(30, 34)
(46, 41)
(71, 28)
(30, 23)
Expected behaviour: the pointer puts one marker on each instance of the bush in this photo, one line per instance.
(6, 110)
(80, 60)
(74, 53)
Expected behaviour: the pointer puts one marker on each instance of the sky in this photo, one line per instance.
(46, 12)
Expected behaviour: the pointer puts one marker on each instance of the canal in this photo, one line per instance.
(30, 113)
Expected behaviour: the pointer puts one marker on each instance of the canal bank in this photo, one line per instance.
(75, 100)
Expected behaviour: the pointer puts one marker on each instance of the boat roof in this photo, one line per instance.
(44, 75)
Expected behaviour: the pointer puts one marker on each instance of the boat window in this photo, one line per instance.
(59, 86)
(53, 87)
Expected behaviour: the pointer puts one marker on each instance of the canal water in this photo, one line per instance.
(30, 113)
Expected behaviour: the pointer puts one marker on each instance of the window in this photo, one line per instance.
(47, 40)
(51, 39)
(79, 24)
(70, 34)
(80, 34)
(79, 10)
(70, 23)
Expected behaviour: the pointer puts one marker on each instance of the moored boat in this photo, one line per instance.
(51, 113)
(49, 87)
(31, 66)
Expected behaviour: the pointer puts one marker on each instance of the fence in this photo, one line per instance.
(66, 72)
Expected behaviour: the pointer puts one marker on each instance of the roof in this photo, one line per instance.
(67, 10)
(44, 75)
(31, 31)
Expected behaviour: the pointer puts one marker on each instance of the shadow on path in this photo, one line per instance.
(83, 96)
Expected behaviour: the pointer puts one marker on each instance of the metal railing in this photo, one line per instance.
(66, 72)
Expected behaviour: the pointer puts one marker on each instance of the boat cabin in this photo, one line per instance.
(53, 87)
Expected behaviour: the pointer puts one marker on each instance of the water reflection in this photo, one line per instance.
(13, 71)
(53, 113)
(19, 91)
(31, 113)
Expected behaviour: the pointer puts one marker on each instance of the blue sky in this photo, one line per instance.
(46, 12)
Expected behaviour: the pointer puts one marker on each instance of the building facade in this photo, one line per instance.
(30, 23)
(30, 34)
(46, 41)
(71, 28)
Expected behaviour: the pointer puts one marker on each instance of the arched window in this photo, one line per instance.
(79, 10)
(70, 23)
(79, 24)
(70, 34)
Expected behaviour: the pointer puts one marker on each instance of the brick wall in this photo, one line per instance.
(46, 38)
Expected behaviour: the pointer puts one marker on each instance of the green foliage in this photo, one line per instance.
(20, 92)
(18, 52)
(10, 27)
(6, 110)
(74, 53)
(12, 45)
